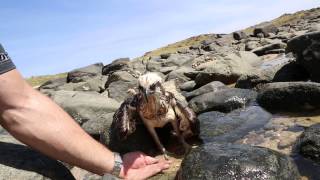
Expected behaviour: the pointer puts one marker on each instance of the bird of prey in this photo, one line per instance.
(155, 107)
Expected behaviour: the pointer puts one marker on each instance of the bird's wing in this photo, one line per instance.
(124, 119)
(170, 86)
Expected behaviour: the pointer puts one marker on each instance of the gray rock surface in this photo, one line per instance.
(228, 128)
(210, 87)
(224, 100)
(77, 75)
(18, 161)
(216, 161)
(290, 96)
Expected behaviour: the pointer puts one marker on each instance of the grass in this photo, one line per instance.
(38, 80)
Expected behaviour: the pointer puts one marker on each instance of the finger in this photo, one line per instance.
(151, 160)
(153, 169)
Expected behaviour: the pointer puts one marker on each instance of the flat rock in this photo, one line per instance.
(227, 161)
(18, 161)
(228, 128)
(210, 87)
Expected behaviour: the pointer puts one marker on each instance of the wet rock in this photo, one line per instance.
(116, 65)
(210, 87)
(18, 161)
(53, 84)
(188, 86)
(89, 109)
(224, 100)
(310, 143)
(228, 128)
(77, 75)
(290, 96)
(227, 161)
(307, 51)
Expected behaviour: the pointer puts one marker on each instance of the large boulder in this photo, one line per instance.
(282, 68)
(89, 109)
(53, 84)
(77, 75)
(118, 84)
(18, 161)
(224, 100)
(210, 87)
(228, 128)
(290, 96)
(96, 83)
(116, 65)
(274, 48)
(264, 31)
(187, 86)
(227, 161)
(310, 143)
(307, 51)
(227, 68)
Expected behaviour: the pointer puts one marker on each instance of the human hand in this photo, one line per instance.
(137, 165)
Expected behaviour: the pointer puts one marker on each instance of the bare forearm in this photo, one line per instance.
(38, 122)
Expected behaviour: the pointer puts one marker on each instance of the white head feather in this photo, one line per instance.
(148, 79)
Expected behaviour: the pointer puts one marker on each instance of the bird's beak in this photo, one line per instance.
(145, 93)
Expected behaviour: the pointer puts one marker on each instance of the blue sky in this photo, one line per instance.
(53, 36)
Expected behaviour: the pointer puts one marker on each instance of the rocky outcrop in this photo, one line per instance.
(78, 75)
(226, 161)
(290, 96)
(210, 87)
(310, 143)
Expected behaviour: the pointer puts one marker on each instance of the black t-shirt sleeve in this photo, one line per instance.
(5, 62)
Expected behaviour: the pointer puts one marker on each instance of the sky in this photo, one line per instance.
(48, 37)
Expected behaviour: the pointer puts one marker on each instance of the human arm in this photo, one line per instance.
(37, 121)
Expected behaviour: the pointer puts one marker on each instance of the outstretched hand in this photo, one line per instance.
(137, 165)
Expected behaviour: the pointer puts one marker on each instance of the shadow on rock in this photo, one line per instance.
(18, 161)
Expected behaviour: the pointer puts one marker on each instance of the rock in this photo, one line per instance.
(18, 161)
(165, 55)
(87, 108)
(310, 143)
(227, 161)
(224, 100)
(116, 65)
(179, 75)
(290, 96)
(53, 84)
(188, 86)
(176, 60)
(95, 83)
(77, 75)
(210, 87)
(250, 45)
(269, 49)
(154, 66)
(239, 35)
(314, 28)
(265, 30)
(167, 70)
(97, 125)
(307, 51)
(252, 80)
(119, 83)
(229, 128)
(226, 69)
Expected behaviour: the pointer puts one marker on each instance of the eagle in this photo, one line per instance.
(156, 107)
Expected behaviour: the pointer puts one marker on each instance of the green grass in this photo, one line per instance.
(38, 80)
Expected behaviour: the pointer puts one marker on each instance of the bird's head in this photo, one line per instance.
(150, 85)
